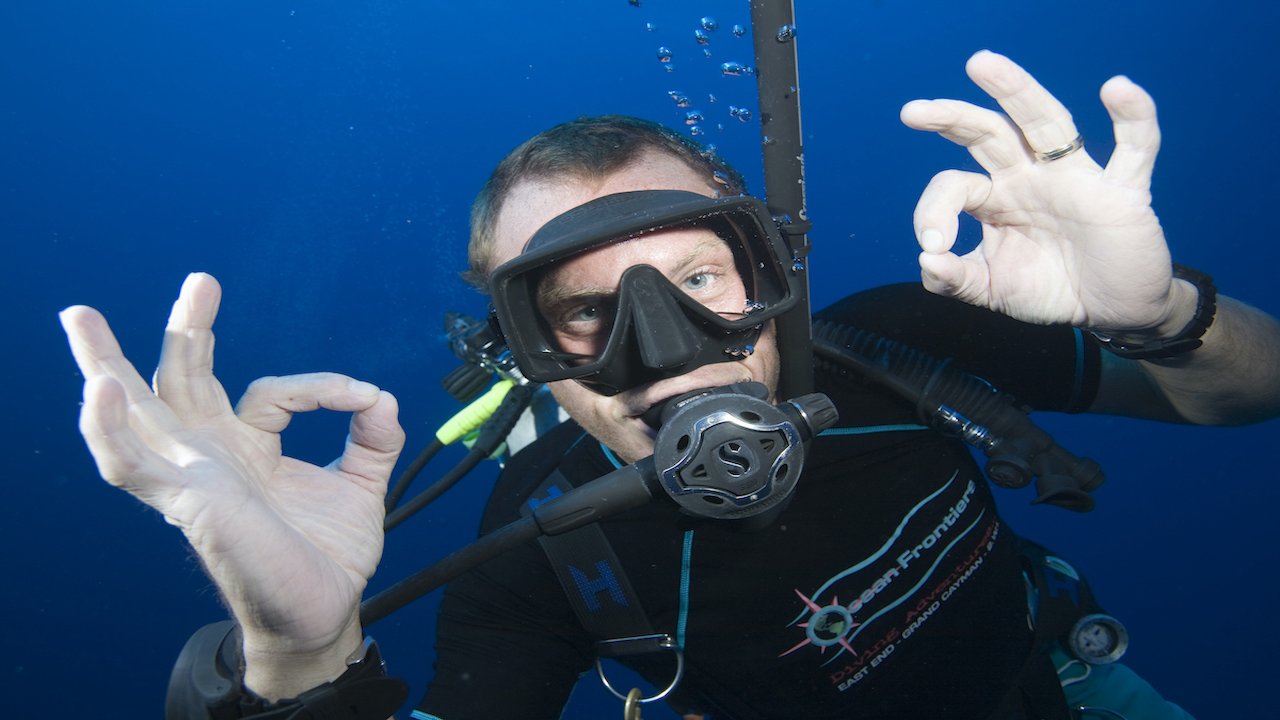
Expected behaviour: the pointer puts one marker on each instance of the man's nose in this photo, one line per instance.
(659, 322)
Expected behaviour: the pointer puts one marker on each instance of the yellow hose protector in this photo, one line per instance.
(473, 416)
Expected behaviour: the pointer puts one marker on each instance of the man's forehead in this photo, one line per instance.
(531, 203)
(528, 206)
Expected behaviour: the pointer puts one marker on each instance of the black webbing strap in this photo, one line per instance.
(594, 581)
(1063, 597)
(1063, 594)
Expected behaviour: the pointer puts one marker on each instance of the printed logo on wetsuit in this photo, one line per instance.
(859, 615)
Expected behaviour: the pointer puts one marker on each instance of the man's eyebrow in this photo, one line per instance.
(551, 294)
(700, 250)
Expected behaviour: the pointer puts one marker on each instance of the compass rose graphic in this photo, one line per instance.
(828, 625)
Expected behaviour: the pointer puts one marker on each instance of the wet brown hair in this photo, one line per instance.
(588, 148)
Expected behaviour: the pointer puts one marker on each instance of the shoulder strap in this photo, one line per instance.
(593, 579)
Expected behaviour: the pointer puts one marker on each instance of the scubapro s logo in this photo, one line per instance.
(736, 458)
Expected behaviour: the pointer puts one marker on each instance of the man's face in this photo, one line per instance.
(694, 260)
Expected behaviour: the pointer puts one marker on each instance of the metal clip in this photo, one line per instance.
(631, 708)
(631, 646)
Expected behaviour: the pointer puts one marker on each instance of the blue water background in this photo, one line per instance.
(319, 159)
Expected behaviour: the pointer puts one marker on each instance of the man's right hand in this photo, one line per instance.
(290, 545)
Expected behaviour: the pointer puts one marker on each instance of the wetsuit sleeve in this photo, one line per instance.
(1048, 367)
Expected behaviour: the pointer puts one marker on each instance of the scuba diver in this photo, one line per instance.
(869, 576)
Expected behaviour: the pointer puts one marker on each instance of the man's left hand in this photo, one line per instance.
(1063, 240)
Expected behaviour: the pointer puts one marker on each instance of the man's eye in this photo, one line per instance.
(587, 316)
(586, 313)
(699, 281)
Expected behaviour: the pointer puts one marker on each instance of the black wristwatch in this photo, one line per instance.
(1186, 340)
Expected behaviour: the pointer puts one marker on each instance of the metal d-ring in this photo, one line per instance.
(674, 682)
(1081, 710)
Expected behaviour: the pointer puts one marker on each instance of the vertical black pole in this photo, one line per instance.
(778, 82)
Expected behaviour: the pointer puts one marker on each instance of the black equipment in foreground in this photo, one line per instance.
(722, 452)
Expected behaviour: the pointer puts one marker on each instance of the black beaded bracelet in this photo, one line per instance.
(1186, 340)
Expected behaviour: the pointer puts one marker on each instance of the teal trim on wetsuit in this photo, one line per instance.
(686, 557)
(1109, 692)
(617, 464)
(1077, 384)
(871, 429)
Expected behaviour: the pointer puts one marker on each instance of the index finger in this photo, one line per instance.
(98, 354)
(1045, 123)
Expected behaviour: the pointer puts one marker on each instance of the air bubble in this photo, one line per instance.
(741, 113)
(681, 100)
(721, 177)
(693, 117)
(702, 37)
(786, 33)
(664, 54)
(739, 31)
(711, 98)
(709, 23)
(734, 69)
(651, 27)
(695, 130)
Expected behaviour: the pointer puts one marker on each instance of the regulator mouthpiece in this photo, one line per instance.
(726, 453)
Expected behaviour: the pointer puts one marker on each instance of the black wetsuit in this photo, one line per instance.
(889, 588)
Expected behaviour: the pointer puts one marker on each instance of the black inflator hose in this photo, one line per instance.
(965, 406)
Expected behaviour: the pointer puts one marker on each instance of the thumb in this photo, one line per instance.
(943, 274)
(374, 442)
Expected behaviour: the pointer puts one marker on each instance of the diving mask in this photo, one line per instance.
(650, 326)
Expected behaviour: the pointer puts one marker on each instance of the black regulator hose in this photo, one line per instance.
(492, 434)
(623, 489)
(410, 473)
(964, 406)
(720, 453)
